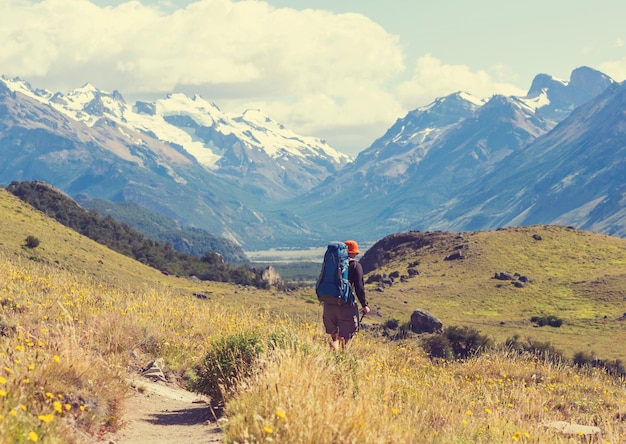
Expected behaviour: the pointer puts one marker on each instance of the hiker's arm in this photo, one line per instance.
(357, 282)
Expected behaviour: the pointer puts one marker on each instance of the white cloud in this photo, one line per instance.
(432, 78)
(616, 69)
(332, 67)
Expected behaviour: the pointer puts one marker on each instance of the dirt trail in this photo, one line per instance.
(162, 413)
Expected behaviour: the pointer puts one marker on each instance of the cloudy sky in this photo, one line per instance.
(343, 70)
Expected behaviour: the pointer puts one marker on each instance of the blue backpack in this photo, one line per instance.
(333, 286)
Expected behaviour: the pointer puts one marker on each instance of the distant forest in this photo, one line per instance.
(123, 239)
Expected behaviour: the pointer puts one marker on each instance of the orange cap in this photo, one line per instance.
(353, 247)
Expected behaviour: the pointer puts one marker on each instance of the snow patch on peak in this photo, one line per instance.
(204, 113)
(470, 98)
(18, 85)
(536, 101)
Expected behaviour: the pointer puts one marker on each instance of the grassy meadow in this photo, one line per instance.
(577, 276)
(76, 320)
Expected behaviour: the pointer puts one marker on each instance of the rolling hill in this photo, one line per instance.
(575, 275)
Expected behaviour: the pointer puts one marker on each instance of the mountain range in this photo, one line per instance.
(554, 156)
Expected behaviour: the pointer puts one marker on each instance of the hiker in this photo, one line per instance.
(342, 321)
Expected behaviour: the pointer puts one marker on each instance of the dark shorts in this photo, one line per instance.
(342, 319)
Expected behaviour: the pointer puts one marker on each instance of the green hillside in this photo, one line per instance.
(124, 239)
(577, 276)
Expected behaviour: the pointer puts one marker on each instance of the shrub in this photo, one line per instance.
(230, 359)
(456, 343)
(544, 350)
(582, 359)
(31, 241)
(466, 341)
(438, 346)
(551, 320)
(392, 324)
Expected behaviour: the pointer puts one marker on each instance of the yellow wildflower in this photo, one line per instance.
(280, 413)
(46, 418)
(268, 430)
(57, 406)
(33, 436)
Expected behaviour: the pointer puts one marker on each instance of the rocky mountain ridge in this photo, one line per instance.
(459, 163)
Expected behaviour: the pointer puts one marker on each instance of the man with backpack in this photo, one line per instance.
(340, 281)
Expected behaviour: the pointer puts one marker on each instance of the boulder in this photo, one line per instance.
(504, 276)
(424, 322)
(374, 278)
(458, 254)
(569, 428)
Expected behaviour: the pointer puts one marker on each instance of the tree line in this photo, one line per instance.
(125, 240)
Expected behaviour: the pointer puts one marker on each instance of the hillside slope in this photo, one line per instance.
(575, 275)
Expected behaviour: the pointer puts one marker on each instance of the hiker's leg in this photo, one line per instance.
(330, 315)
(343, 342)
(348, 323)
(335, 341)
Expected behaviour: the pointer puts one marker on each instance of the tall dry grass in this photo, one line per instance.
(393, 394)
(68, 344)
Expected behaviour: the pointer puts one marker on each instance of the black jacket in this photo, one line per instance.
(355, 276)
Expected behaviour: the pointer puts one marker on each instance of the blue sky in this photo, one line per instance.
(342, 70)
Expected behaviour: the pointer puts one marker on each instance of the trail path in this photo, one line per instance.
(162, 413)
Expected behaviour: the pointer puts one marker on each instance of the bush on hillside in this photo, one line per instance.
(585, 359)
(551, 320)
(31, 242)
(438, 346)
(543, 350)
(230, 359)
(456, 343)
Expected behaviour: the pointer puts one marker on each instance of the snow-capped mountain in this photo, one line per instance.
(107, 160)
(555, 155)
(250, 149)
(413, 174)
(574, 175)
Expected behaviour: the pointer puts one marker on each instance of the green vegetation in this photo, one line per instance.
(31, 242)
(551, 320)
(576, 276)
(129, 242)
(160, 228)
(231, 359)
